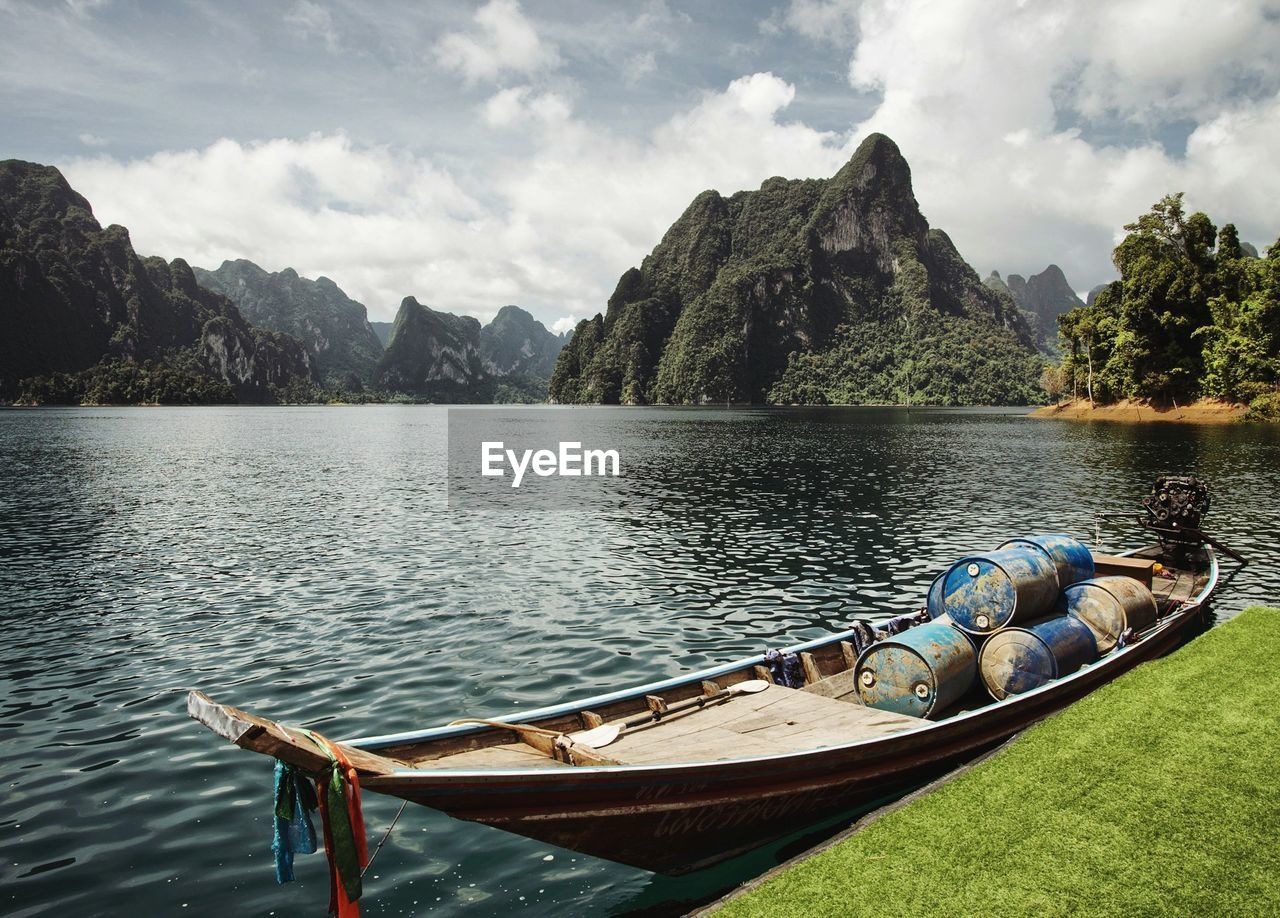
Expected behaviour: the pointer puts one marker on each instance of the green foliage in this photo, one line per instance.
(520, 390)
(1265, 407)
(770, 294)
(93, 320)
(122, 382)
(951, 360)
(1186, 319)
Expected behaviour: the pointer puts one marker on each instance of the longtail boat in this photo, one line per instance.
(680, 774)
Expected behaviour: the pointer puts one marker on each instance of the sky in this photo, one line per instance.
(477, 154)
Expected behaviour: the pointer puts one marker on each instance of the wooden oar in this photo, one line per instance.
(599, 737)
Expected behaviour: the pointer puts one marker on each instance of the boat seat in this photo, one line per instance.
(777, 720)
(838, 686)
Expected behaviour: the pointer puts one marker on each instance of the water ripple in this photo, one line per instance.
(299, 562)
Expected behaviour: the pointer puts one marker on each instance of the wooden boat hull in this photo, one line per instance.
(675, 819)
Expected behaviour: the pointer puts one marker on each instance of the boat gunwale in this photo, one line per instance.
(454, 775)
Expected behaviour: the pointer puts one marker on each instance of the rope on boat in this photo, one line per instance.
(385, 836)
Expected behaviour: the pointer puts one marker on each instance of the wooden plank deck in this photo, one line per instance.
(774, 721)
(777, 720)
(508, 755)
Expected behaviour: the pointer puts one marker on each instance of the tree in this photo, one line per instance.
(1051, 382)
(1190, 315)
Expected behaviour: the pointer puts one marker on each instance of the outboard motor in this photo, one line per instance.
(1176, 502)
(1175, 510)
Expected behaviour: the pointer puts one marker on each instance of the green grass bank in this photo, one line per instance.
(1157, 794)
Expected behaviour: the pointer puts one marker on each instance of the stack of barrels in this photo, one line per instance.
(1018, 617)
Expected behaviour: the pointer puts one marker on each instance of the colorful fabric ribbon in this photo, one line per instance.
(293, 800)
(338, 791)
(785, 668)
(337, 796)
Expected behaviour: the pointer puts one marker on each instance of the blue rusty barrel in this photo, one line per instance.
(1017, 660)
(921, 671)
(1109, 605)
(933, 599)
(984, 593)
(1070, 556)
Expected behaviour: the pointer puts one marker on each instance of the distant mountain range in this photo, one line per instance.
(805, 291)
(1042, 298)
(333, 327)
(444, 357)
(86, 318)
(427, 354)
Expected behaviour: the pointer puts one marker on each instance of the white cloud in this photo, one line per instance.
(565, 324)
(313, 19)
(639, 66)
(92, 140)
(560, 225)
(993, 105)
(504, 41)
(1156, 59)
(520, 105)
(832, 21)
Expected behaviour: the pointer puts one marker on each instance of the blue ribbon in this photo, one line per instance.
(292, 801)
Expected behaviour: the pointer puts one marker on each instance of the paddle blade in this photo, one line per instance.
(597, 737)
(750, 687)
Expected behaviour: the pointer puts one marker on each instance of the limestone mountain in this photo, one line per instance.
(517, 344)
(1093, 293)
(448, 358)
(804, 291)
(332, 326)
(434, 355)
(383, 331)
(1042, 297)
(81, 309)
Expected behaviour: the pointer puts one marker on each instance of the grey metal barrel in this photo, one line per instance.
(922, 671)
(1109, 605)
(1017, 660)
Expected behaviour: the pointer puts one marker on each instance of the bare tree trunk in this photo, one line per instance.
(1075, 370)
(1088, 352)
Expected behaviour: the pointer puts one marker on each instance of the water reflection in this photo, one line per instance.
(301, 562)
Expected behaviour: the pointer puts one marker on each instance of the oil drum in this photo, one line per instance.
(922, 671)
(933, 599)
(984, 593)
(1070, 556)
(1017, 660)
(1109, 605)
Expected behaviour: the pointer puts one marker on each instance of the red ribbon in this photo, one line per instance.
(339, 904)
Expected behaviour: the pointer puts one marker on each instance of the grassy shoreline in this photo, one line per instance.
(1156, 794)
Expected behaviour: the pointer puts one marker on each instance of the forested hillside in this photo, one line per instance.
(1194, 314)
(808, 291)
(86, 318)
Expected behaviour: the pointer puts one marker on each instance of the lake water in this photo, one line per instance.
(303, 563)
